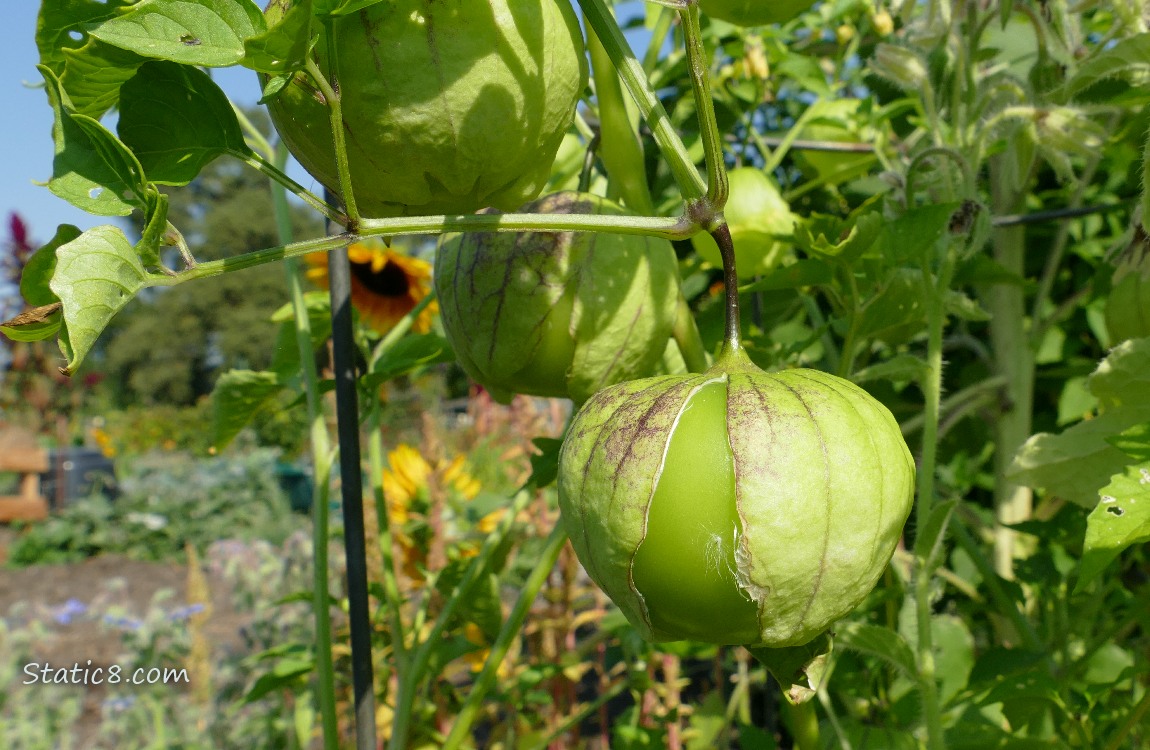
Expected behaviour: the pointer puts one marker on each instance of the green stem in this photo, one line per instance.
(697, 65)
(674, 151)
(672, 229)
(804, 725)
(932, 393)
(383, 522)
(322, 458)
(276, 174)
(957, 400)
(619, 147)
(507, 634)
(329, 87)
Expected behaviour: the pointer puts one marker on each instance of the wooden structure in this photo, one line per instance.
(21, 454)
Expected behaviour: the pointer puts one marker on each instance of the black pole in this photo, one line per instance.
(351, 486)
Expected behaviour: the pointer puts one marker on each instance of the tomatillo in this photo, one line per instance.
(559, 314)
(735, 506)
(448, 106)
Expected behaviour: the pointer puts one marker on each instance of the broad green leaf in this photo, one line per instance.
(1121, 519)
(60, 21)
(118, 158)
(409, 353)
(194, 32)
(802, 273)
(40, 267)
(953, 654)
(878, 641)
(915, 234)
(94, 73)
(237, 397)
(1123, 378)
(1076, 463)
(285, 45)
(1134, 442)
(35, 324)
(896, 312)
(176, 120)
(96, 275)
(1076, 402)
(1129, 58)
(79, 174)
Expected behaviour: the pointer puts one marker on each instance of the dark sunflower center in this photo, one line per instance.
(389, 281)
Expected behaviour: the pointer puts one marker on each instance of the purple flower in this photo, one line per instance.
(71, 609)
(183, 613)
(126, 623)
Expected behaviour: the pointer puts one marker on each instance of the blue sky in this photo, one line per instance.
(26, 127)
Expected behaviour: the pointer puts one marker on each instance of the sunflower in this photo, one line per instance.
(385, 284)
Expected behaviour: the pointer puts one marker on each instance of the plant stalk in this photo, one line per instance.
(322, 459)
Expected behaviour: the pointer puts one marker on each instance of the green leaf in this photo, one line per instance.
(953, 654)
(94, 73)
(799, 669)
(60, 20)
(194, 32)
(80, 175)
(237, 397)
(347, 7)
(824, 236)
(545, 464)
(35, 324)
(963, 307)
(802, 273)
(1129, 58)
(897, 311)
(1079, 461)
(285, 361)
(878, 641)
(285, 45)
(177, 120)
(155, 229)
(904, 367)
(96, 275)
(915, 234)
(1134, 442)
(409, 353)
(1121, 519)
(286, 674)
(34, 282)
(1123, 378)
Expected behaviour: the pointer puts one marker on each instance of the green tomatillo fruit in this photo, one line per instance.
(449, 106)
(735, 506)
(758, 217)
(754, 12)
(559, 314)
(1127, 308)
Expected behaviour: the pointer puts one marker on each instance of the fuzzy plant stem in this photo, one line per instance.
(932, 393)
(321, 460)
